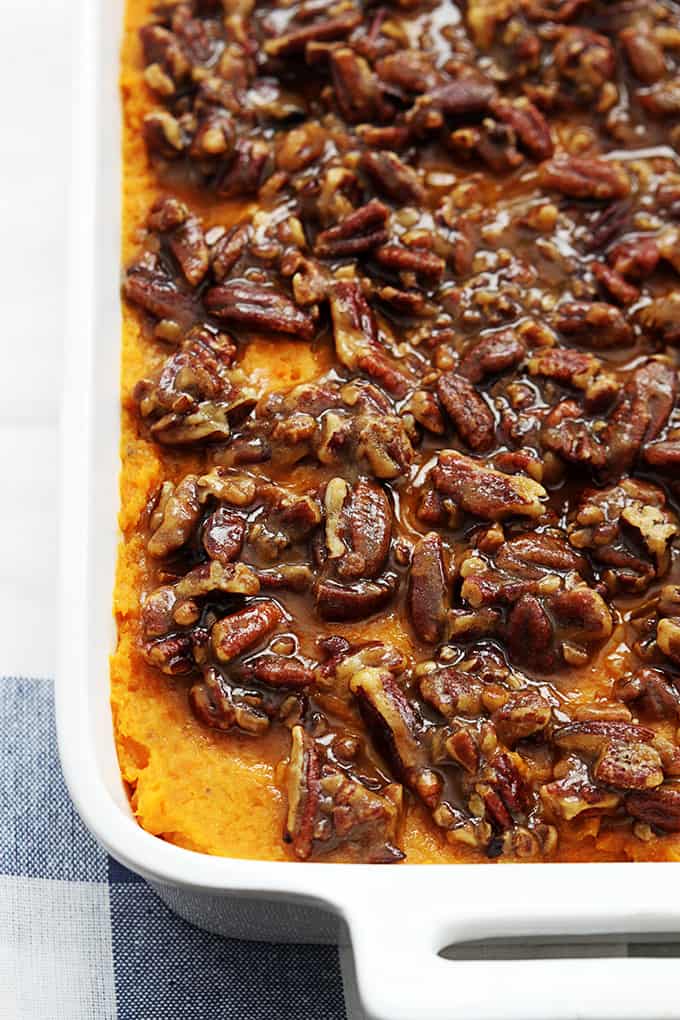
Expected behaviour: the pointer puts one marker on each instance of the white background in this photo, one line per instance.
(35, 54)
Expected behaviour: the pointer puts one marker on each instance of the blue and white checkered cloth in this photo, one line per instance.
(83, 938)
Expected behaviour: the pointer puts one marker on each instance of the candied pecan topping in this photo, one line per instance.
(465, 467)
(327, 807)
(628, 529)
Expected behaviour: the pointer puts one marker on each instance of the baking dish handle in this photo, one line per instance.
(401, 976)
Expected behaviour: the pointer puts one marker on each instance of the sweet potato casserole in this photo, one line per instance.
(398, 577)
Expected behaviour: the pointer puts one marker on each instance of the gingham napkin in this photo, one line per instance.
(81, 938)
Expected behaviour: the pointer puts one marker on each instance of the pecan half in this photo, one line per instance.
(394, 725)
(223, 534)
(256, 307)
(644, 54)
(291, 43)
(368, 529)
(659, 808)
(184, 236)
(358, 601)
(356, 338)
(215, 705)
(468, 410)
(304, 788)
(361, 230)
(492, 355)
(242, 630)
(530, 126)
(149, 285)
(594, 323)
(578, 177)
(484, 492)
(392, 177)
(357, 89)
(427, 589)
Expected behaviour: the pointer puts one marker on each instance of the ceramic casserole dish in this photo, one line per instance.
(396, 919)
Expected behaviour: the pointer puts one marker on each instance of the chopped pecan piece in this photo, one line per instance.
(652, 693)
(663, 99)
(664, 454)
(575, 795)
(660, 318)
(215, 705)
(175, 517)
(484, 492)
(192, 399)
(327, 808)
(628, 529)
(452, 692)
(595, 324)
(523, 715)
(586, 60)
(668, 626)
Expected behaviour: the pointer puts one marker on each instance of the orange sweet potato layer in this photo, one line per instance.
(214, 792)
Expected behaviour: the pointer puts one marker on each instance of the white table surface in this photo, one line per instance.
(34, 157)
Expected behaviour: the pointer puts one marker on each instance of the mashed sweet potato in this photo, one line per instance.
(221, 792)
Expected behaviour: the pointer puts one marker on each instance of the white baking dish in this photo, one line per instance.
(398, 918)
